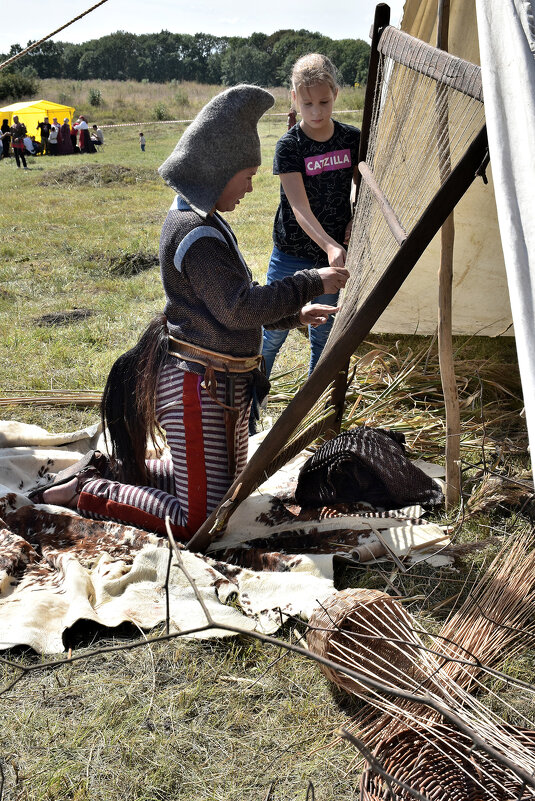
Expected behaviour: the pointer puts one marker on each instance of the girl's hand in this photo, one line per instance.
(315, 314)
(334, 278)
(337, 255)
(347, 234)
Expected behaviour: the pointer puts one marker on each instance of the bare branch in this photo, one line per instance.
(178, 557)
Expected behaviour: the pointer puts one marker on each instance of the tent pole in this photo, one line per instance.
(445, 281)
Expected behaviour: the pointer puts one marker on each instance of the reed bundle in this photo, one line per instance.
(403, 391)
(73, 397)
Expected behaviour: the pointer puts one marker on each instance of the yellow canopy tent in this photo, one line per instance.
(30, 112)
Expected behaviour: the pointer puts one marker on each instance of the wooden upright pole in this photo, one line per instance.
(445, 281)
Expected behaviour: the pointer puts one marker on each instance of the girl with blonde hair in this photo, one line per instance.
(316, 162)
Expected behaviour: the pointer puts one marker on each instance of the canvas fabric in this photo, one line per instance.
(480, 291)
(507, 44)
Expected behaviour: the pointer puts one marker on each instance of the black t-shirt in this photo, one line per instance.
(45, 128)
(327, 170)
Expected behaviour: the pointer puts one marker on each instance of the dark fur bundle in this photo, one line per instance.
(364, 464)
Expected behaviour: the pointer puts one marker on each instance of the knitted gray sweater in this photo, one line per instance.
(212, 300)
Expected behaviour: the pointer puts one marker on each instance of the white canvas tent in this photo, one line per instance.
(494, 257)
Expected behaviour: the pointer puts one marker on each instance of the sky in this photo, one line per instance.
(338, 19)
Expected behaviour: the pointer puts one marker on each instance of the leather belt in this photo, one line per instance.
(210, 358)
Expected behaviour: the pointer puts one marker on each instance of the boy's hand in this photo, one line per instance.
(315, 314)
(347, 234)
(334, 278)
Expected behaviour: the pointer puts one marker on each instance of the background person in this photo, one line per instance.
(18, 132)
(65, 143)
(292, 118)
(84, 140)
(194, 370)
(142, 141)
(75, 148)
(6, 137)
(53, 138)
(315, 161)
(44, 127)
(28, 145)
(97, 137)
(37, 146)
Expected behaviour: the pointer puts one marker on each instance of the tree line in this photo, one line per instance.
(161, 57)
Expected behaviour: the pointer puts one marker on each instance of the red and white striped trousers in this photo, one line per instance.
(189, 486)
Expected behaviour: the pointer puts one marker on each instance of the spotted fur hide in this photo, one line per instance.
(57, 569)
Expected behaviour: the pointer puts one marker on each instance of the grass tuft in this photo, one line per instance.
(97, 175)
(133, 263)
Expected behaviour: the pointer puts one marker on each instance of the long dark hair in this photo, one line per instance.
(128, 406)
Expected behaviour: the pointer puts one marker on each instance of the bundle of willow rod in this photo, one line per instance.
(384, 643)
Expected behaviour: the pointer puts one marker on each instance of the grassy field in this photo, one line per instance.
(192, 721)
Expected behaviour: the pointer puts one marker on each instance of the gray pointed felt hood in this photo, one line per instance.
(222, 140)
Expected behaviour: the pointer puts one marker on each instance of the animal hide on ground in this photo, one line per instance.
(58, 569)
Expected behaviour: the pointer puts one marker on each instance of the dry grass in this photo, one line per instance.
(396, 384)
(399, 387)
(211, 720)
(132, 101)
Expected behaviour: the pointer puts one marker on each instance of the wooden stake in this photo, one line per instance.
(445, 281)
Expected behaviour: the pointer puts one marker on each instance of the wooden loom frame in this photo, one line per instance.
(270, 454)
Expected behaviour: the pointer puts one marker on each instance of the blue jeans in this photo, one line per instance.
(280, 266)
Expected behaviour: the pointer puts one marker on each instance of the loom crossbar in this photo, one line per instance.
(398, 232)
(437, 64)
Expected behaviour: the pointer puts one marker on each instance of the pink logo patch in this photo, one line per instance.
(335, 160)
